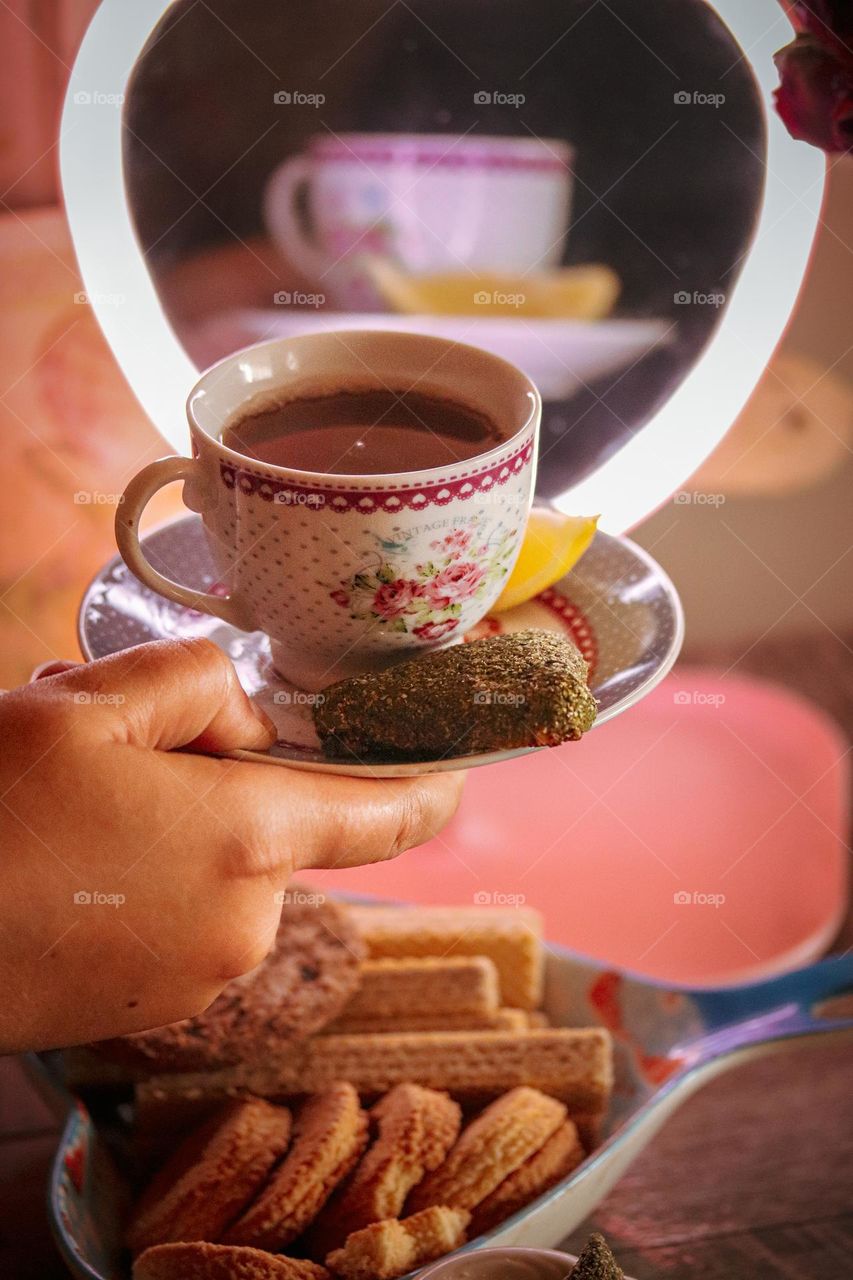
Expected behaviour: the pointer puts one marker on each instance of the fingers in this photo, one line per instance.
(172, 693)
(52, 668)
(325, 820)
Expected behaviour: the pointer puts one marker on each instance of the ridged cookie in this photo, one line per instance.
(211, 1176)
(389, 1249)
(221, 1262)
(562, 1153)
(329, 1136)
(492, 1146)
(415, 1129)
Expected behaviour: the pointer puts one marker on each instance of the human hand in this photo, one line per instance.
(138, 875)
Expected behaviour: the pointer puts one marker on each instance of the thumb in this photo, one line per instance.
(172, 693)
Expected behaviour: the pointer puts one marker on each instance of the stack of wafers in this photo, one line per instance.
(450, 998)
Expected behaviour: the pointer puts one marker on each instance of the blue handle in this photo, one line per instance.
(797, 1004)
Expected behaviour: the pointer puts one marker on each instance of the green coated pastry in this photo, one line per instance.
(596, 1262)
(524, 689)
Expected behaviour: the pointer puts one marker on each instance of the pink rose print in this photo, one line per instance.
(394, 598)
(452, 543)
(435, 630)
(456, 582)
(427, 599)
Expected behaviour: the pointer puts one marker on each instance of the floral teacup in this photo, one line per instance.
(349, 573)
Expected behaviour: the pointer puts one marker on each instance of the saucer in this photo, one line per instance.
(560, 356)
(617, 605)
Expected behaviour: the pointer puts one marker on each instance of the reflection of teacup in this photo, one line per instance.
(432, 202)
(349, 572)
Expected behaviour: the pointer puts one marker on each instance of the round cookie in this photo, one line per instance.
(303, 983)
(501, 1138)
(329, 1136)
(415, 1128)
(211, 1176)
(221, 1262)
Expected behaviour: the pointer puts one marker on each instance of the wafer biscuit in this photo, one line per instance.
(199, 1261)
(562, 1153)
(389, 1249)
(509, 936)
(492, 1146)
(211, 1176)
(415, 1129)
(448, 984)
(329, 1136)
(503, 1019)
(572, 1064)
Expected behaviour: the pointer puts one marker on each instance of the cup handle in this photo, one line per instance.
(136, 497)
(282, 217)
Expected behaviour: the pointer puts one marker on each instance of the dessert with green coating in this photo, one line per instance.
(522, 689)
(596, 1262)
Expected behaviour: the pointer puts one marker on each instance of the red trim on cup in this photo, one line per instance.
(449, 158)
(414, 497)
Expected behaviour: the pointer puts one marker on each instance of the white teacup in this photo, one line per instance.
(431, 202)
(349, 573)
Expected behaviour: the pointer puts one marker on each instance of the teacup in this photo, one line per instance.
(348, 573)
(431, 202)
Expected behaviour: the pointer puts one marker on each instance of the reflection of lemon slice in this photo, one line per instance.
(552, 544)
(572, 293)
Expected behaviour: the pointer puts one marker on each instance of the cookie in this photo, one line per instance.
(520, 689)
(574, 1064)
(199, 1261)
(415, 1129)
(562, 1153)
(389, 1249)
(329, 1136)
(211, 1176)
(492, 1146)
(511, 937)
(305, 981)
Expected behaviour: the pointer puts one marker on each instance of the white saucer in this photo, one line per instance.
(559, 355)
(617, 605)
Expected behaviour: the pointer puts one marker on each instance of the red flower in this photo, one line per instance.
(341, 598)
(394, 598)
(435, 630)
(815, 97)
(456, 582)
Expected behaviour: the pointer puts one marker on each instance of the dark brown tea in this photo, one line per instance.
(363, 432)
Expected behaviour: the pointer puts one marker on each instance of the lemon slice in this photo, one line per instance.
(571, 293)
(552, 544)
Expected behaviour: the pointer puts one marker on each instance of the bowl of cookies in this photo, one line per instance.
(393, 1087)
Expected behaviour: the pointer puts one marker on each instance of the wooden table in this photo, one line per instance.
(752, 1178)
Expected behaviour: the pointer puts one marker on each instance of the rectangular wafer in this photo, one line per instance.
(454, 985)
(574, 1065)
(503, 1019)
(509, 936)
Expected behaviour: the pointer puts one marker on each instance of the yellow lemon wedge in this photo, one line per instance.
(570, 293)
(552, 544)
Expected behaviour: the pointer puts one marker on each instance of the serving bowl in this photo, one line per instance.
(668, 1042)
